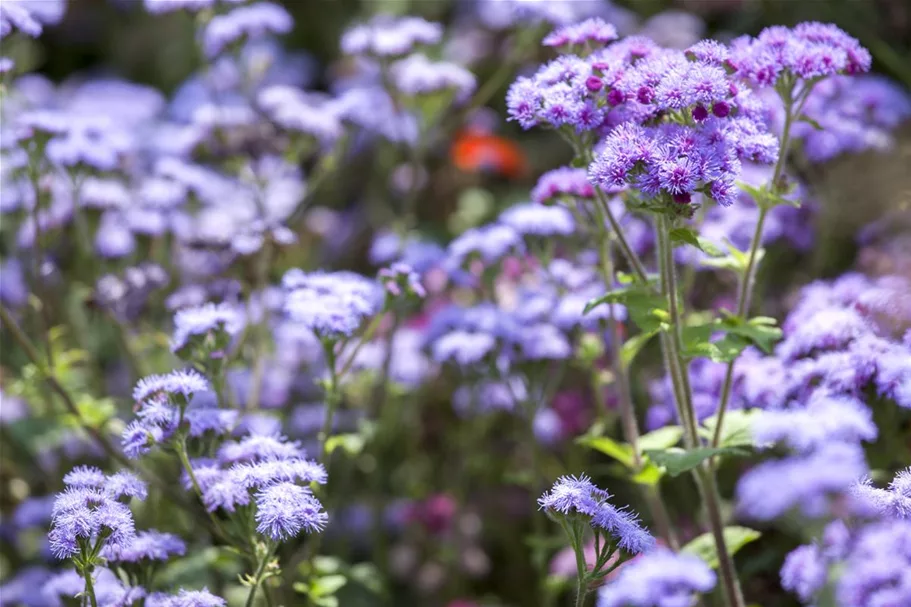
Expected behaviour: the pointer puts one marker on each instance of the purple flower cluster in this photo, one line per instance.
(809, 51)
(91, 512)
(593, 32)
(272, 475)
(244, 23)
(331, 305)
(658, 579)
(565, 182)
(579, 496)
(417, 76)
(387, 36)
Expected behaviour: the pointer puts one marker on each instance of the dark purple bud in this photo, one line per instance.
(732, 87)
(645, 95)
(700, 113)
(600, 66)
(683, 198)
(594, 84)
(721, 109)
(615, 97)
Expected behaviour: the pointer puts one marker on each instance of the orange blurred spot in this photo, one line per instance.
(474, 152)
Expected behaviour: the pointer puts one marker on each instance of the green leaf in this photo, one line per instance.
(621, 452)
(645, 306)
(367, 575)
(737, 429)
(677, 461)
(662, 438)
(327, 585)
(352, 444)
(650, 475)
(633, 346)
(811, 121)
(735, 538)
(681, 236)
(760, 331)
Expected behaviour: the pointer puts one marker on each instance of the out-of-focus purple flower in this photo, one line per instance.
(876, 571)
(14, 14)
(114, 239)
(185, 598)
(416, 75)
(489, 243)
(332, 305)
(579, 495)
(544, 341)
(259, 447)
(805, 482)
(20, 589)
(147, 546)
(463, 347)
(658, 579)
(60, 589)
(594, 31)
(399, 279)
(245, 23)
(564, 181)
(825, 418)
(296, 111)
(532, 219)
(388, 36)
(217, 321)
(165, 6)
(804, 572)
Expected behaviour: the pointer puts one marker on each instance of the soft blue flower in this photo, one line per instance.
(804, 572)
(658, 579)
(284, 510)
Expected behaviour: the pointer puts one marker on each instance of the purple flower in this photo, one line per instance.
(210, 419)
(571, 495)
(164, 6)
(809, 50)
(594, 30)
(415, 75)
(147, 546)
(264, 473)
(804, 572)
(186, 598)
(544, 342)
(85, 477)
(532, 219)
(177, 386)
(824, 419)
(658, 579)
(125, 484)
(218, 322)
(489, 243)
(463, 347)
(332, 305)
(565, 181)
(805, 482)
(388, 36)
(84, 514)
(284, 510)
(245, 22)
(258, 447)
(894, 502)
(296, 111)
(876, 570)
(15, 15)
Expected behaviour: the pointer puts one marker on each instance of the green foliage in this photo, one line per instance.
(735, 538)
(736, 430)
(688, 236)
(737, 335)
(676, 461)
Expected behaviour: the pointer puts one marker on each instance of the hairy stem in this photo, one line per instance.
(89, 586)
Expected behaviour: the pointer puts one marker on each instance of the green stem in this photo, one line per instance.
(705, 478)
(89, 586)
(332, 402)
(258, 576)
(745, 291)
(630, 255)
(35, 178)
(180, 445)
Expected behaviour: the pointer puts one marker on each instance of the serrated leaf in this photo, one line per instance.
(633, 346)
(621, 452)
(735, 538)
(677, 461)
(662, 438)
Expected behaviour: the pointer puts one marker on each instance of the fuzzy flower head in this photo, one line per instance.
(284, 510)
(386, 36)
(205, 330)
(809, 51)
(658, 579)
(84, 516)
(564, 182)
(593, 33)
(177, 387)
(332, 305)
(186, 598)
(532, 219)
(418, 76)
(804, 572)
(571, 496)
(147, 546)
(876, 571)
(894, 501)
(244, 23)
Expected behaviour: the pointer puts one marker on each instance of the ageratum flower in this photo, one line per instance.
(210, 325)
(14, 14)
(332, 305)
(176, 386)
(579, 496)
(399, 279)
(564, 181)
(894, 502)
(165, 6)
(298, 112)
(388, 36)
(591, 32)
(416, 75)
(146, 546)
(804, 572)
(109, 589)
(825, 418)
(804, 482)
(84, 514)
(245, 23)
(186, 598)
(489, 243)
(284, 510)
(875, 572)
(809, 51)
(658, 579)
(532, 219)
